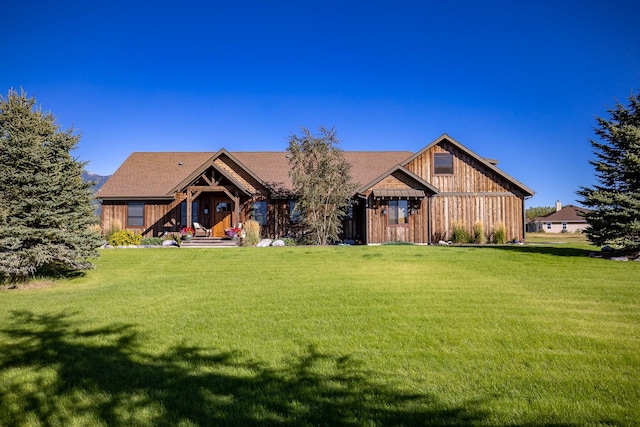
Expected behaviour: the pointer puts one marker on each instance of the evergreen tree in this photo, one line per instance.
(45, 207)
(322, 183)
(615, 200)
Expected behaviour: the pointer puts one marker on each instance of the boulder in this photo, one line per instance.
(169, 243)
(264, 243)
(278, 243)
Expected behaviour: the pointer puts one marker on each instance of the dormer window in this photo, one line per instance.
(442, 164)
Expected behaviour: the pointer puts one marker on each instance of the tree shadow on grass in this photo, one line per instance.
(54, 371)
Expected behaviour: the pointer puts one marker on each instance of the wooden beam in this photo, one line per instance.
(189, 208)
(195, 188)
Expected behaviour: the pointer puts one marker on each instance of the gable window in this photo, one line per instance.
(398, 212)
(442, 163)
(260, 212)
(135, 214)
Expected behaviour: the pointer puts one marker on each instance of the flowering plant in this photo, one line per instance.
(233, 231)
(187, 231)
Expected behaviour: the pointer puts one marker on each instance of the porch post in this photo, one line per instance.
(189, 198)
(236, 209)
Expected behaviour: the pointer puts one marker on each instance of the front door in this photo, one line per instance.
(221, 218)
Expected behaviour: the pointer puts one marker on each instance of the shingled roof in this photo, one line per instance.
(153, 175)
(569, 213)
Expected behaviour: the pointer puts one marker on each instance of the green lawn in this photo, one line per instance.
(386, 335)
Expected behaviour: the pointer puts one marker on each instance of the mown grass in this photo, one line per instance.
(388, 335)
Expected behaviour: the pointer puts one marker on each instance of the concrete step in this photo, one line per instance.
(209, 242)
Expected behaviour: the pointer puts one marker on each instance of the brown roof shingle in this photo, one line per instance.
(569, 213)
(146, 175)
(154, 174)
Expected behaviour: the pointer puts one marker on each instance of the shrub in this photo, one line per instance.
(251, 233)
(151, 241)
(114, 227)
(478, 234)
(499, 235)
(288, 241)
(459, 234)
(125, 238)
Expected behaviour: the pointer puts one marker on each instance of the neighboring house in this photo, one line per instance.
(566, 219)
(402, 196)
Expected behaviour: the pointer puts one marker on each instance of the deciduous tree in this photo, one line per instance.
(45, 207)
(538, 211)
(615, 199)
(322, 183)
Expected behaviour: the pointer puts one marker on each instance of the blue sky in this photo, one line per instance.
(520, 82)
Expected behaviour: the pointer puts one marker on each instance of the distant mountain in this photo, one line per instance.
(99, 179)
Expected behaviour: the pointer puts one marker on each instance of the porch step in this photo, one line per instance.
(209, 242)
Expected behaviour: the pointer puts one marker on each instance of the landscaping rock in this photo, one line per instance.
(278, 243)
(443, 243)
(169, 243)
(264, 243)
(619, 258)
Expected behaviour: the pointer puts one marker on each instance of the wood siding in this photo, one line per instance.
(380, 231)
(378, 228)
(158, 217)
(466, 210)
(473, 193)
(469, 175)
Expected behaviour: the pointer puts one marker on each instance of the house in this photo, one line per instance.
(567, 219)
(402, 196)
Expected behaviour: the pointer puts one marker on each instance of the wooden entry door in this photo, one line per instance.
(221, 218)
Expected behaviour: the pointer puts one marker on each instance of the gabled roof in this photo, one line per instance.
(489, 163)
(211, 163)
(397, 168)
(569, 213)
(156, 175)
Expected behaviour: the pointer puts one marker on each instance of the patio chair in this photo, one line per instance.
(201, 230)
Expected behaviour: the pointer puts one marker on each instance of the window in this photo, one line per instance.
(564, 226)
(548, 226)
(223, 207)
(183, 212)
(135, 214)
(398, 212)
(294, 214)
(260, 212)
(442, 163)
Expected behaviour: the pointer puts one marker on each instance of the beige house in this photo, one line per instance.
(567, 219)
